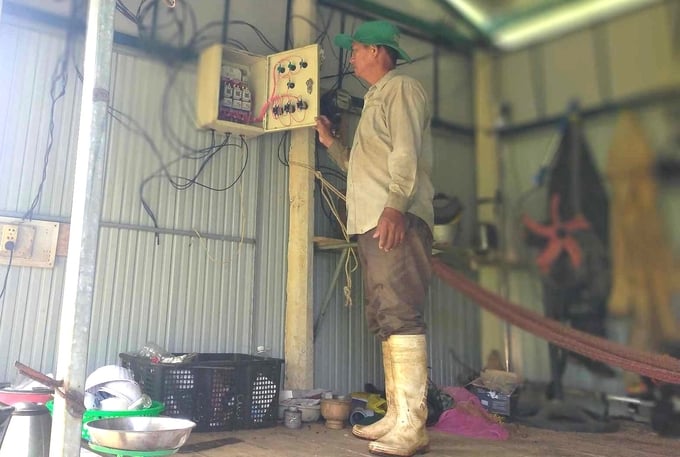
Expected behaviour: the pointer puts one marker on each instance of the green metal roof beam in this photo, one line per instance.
(481, 34)
(523, 14)
(436, 31)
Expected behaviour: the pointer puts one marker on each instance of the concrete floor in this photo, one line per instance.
(632, 440)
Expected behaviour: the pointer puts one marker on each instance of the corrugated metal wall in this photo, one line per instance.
(195, 289)
(215, 280)
(636, 55)
(29, 310)
(271, 249)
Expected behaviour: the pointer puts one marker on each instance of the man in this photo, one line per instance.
(389, 207)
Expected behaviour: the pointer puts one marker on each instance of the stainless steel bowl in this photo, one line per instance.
(140, 433)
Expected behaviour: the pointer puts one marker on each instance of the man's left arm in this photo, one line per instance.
(406, 117)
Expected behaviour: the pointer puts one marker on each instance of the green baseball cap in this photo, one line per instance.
(373, 32)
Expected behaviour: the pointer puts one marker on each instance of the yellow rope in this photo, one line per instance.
(327, 191)
(207, 252)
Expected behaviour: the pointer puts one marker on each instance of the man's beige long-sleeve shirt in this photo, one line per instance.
(390, 162)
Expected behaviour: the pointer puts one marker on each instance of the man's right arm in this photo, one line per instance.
(338, 151)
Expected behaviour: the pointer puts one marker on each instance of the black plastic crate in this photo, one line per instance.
(216, 391)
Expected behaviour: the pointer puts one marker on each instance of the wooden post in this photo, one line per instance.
(299, 336)
(492, 328)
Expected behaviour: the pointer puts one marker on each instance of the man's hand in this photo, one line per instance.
(323, 127)
(391, 229)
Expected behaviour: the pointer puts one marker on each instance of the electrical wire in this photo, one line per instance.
(57, 91)
(174, 70)
(188, 38)
(168, 133)
(327, 192)
(182, 32)
(243, 147)
(258, 32)
(182, 37)
(204, 156)
(323, 32)
(9, 266)
(183, 183)
(125, 11)
(328, 172)
(58, 86)
(284, 145)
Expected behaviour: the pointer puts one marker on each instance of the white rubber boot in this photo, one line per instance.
(409, 368)
(384, 425)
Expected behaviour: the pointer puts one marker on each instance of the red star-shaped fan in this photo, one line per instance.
(558, 235)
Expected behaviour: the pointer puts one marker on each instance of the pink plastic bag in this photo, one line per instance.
(469, 418)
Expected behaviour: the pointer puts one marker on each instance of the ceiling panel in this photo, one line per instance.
(464, 24)
(514, 24)
(505, 25)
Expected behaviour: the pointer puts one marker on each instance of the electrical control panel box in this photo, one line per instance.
(245, 94)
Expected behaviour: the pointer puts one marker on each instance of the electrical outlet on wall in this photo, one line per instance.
(8, 238)
(28, 243)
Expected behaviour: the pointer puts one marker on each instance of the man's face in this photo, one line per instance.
(362, 57)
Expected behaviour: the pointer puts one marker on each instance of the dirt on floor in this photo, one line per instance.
(631, 440)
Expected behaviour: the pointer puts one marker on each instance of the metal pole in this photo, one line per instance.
(76, 309)
(503, 236)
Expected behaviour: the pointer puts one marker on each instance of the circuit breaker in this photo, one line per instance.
(245, 94)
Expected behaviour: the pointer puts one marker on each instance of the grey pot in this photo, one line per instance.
(28, 431)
